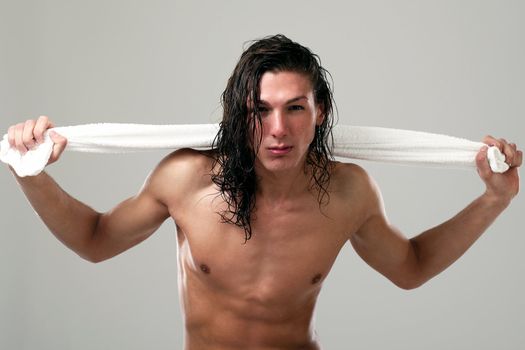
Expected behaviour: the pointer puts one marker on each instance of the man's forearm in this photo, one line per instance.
(438, 247)
(71, 221)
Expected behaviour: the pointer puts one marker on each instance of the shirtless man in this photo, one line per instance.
(259, 222)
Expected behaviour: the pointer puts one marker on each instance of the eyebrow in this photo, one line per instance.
(295, 99)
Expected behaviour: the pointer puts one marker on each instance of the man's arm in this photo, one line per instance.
(411, 262)
(92, 235)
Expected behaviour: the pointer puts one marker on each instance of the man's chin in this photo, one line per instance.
(277, 165)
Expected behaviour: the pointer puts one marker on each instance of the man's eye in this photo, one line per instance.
(296, 108)
(262, 109)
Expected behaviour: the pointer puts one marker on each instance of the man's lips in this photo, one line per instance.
(280, 149)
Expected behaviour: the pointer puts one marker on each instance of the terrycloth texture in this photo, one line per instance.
(360, 142)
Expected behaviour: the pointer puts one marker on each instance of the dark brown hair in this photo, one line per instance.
(236, 152)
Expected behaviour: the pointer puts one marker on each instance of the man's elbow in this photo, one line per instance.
(90, 251)
(413, 275)
(91, 257)
(410, 284)
(412, 278)
(94, 260)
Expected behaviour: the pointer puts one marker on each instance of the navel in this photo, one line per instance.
(316, 278)
(205, 268)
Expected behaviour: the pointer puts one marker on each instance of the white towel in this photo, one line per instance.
(359, 142)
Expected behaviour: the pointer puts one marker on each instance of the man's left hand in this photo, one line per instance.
(503, 186)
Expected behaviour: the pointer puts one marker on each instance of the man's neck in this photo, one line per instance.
(282, 186)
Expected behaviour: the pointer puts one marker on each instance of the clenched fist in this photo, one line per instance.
(28, 135)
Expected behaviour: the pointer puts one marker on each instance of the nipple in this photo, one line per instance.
(316, 278)
(205, 268)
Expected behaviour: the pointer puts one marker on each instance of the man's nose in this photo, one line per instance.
(278, 128)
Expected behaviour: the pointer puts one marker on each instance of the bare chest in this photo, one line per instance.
(288, 256)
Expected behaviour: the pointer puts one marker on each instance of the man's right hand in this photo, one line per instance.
(26, 136)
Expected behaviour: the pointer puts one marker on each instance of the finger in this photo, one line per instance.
(60, 143)
(19, 143)
(57, 138)
(27, 134)
(509, 153)
(482, 163)
(11, 136)
(492, 141)
(518, 159)
(487, 139)
(42, 124)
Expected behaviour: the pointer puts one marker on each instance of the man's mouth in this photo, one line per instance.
(279, 150)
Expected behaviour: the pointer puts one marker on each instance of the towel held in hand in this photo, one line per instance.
(358, 142)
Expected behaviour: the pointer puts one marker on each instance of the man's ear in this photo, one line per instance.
(319, 114)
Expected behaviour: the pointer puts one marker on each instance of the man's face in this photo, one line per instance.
(289, 116)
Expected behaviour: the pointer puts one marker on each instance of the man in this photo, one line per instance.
(262, 216)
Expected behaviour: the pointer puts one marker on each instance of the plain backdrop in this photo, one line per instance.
(451, 67)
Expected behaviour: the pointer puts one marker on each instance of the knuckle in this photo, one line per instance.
(20, 146)
(28, 139)
(38, 130)
(480, 157)
(29, 122)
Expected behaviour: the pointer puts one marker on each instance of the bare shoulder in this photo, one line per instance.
(351, 178)
(179, 173)
(354, 186)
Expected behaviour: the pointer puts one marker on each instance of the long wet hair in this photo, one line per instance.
(236, 144)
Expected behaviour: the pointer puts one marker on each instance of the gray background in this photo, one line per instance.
(452, 67)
